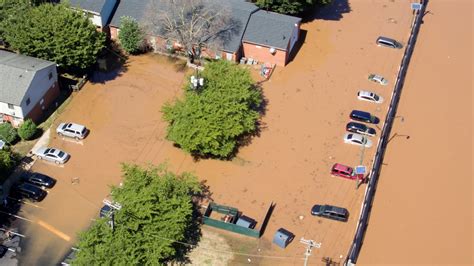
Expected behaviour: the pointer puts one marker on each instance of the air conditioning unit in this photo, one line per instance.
(272, 50)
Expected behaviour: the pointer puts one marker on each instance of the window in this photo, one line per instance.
(10, 106)
(50, 76)
(28, 101)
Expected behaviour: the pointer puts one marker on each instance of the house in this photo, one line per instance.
(128, 8)
(99, 11)
(28, 86)
(270, 37)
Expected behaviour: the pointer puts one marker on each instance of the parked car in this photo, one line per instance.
(105, 211)
(388, 42)
(72, 130)
(52, 155)
(364, 117)
(369, 96)
(30, 191)
(342, 171)
(70, 256)
(40, 180)
(330, 212)
(379, 79)
(357, 139)
(360, 128)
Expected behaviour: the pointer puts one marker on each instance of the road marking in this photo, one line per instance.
(54, 230)
(16, 216)
(27, 203)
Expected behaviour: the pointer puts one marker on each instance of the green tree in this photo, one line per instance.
(131, 36)
(156, 207)
(290, 7)
(8, 133)
(56, 33)
(10, 10)
(27, 130)
(7, 163)
(210, 122)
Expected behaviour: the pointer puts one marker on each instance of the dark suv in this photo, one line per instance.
(360, 128)
(30, 191)
(330, 212)
(364, 117)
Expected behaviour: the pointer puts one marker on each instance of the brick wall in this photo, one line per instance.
(262, 54)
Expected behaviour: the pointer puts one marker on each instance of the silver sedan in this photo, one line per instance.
(357, 139)
(53, 155)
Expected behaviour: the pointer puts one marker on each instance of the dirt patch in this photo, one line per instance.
(211, 250)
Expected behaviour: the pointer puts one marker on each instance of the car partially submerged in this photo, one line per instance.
(379, 79)
(360, 128)
(72, 130)
(53, 155)
(357, 139)
(369, 97)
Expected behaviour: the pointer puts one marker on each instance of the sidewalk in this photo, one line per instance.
(25, 165)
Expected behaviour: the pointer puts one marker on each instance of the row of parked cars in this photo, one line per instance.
(358, 133)
(32, 186)
(71, 130)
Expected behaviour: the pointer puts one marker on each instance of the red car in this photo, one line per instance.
(343, 171)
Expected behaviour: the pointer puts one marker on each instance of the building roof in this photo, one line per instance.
(89, 5)
(270, 29)
(16, 73)
(240, 15)
(130, 8)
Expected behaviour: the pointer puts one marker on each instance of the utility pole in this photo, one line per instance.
(309, 245)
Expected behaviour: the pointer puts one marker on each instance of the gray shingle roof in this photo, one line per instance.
(89, 5)
(240, 16)
(16, 73)
(270, 29)
(131, 8)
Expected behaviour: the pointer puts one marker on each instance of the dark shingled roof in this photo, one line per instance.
(130, 8)
(240, 16)
(16, 73)
(270, 29)
(89, 5)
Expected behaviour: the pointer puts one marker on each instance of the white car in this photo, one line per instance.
(369, 96)
(379, 79)
(72, 130)
(357, 139)
(53, 155)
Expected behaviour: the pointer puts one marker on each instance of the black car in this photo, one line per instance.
(360, 128)
(30, 191)
(105, 211)
(40, 180)
(364, 117)
(331, 212)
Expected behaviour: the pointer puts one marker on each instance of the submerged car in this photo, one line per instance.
(40, 180)
(357, 139)
(29, 191)
(72, 130)
(330, 212)
(53, 155)
(364, 117)
(369, 97)
(360, 128)
(388, 42)
(379, 79)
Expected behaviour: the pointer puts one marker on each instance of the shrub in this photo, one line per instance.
(131, 35)
(7, 162)
(8, 133)
(27, 130)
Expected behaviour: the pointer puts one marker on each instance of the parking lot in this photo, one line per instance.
(309, 102)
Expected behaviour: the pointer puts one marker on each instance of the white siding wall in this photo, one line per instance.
(38, 88)
(16, 111)
(96, 20)
(294, 36)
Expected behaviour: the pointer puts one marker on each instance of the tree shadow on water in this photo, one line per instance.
(333, 11)
(110, 65)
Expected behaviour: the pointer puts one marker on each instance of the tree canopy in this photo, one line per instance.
(290, 7)
(56, 33)
(210, 121)
(156, 209)
(131, 35)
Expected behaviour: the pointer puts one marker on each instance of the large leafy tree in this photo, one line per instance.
(156, 210)
(10, 11)
(210, 121)
(55, 33)
(131, 35)
(290, 7)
